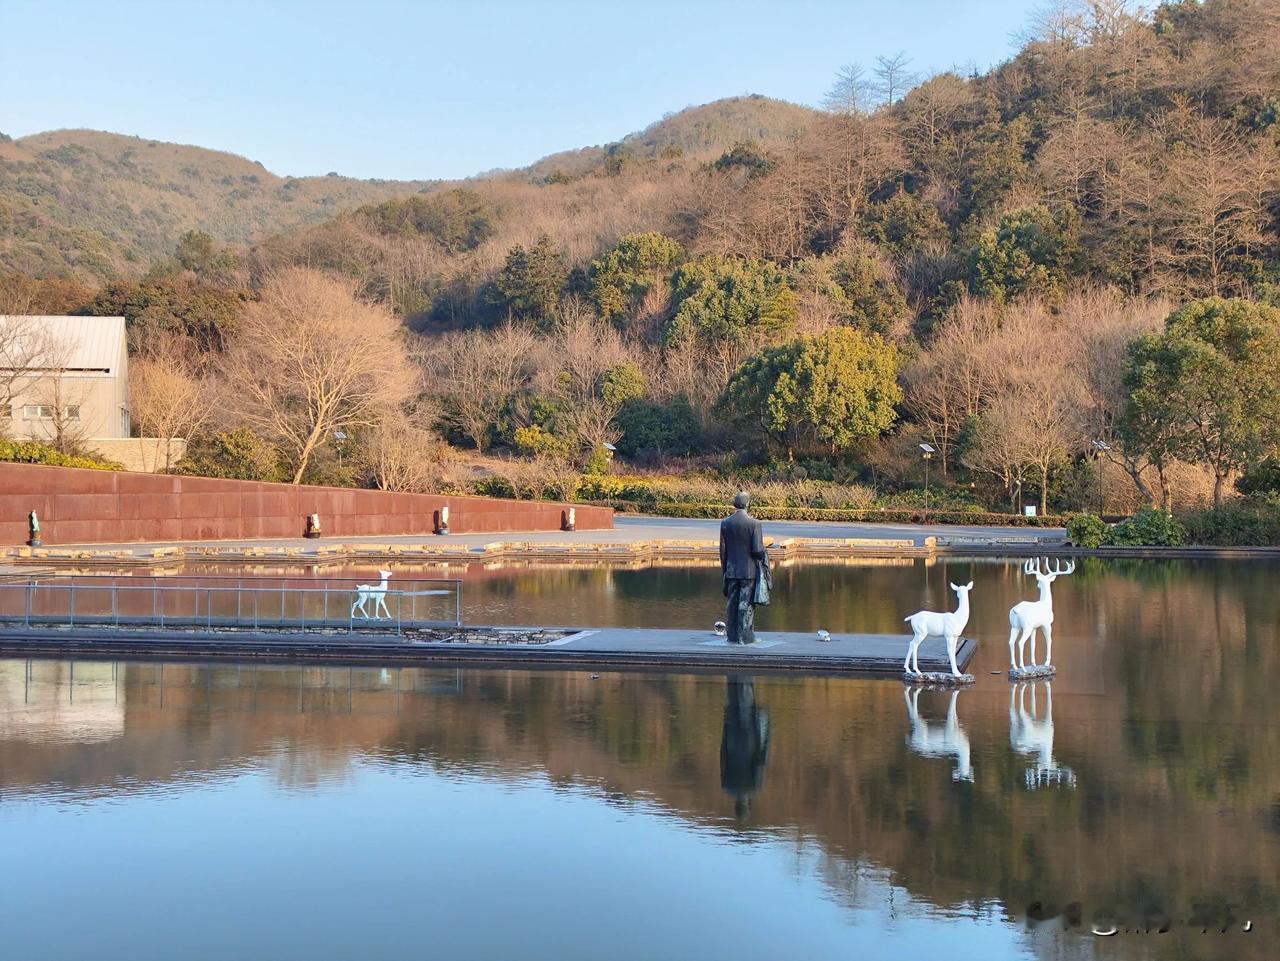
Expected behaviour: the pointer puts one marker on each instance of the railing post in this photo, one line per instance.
(71, 589)
(115, 604)
(31, 590)
(208, 609)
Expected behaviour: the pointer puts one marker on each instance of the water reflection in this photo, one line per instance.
(1031, 734)
(938, 738)
(744, 745)
(1163, 719)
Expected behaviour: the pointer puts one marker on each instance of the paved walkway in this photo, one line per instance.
(629, 529)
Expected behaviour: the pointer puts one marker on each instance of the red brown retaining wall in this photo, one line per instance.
(98, 507)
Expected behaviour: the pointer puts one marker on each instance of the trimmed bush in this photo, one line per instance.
(1149, 528)
(1088, 531)
(29, 452)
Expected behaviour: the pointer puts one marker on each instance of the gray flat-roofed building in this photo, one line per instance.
(63, 378)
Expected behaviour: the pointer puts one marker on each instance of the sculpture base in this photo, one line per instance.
(35, 542)
(568, 527)
(941, 678)
(442, 531)
(1032, 672)
(312, 535)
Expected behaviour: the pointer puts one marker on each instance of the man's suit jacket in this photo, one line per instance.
(741, 545)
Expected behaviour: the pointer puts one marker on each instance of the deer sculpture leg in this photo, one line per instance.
(1032, 639)
(913, 651)
(1022, 646)
(1048, 646)
(952, 641)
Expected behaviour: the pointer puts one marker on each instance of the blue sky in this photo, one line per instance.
(432, 89)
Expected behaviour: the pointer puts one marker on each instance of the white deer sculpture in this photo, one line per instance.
(1033, 736)
(946, 625)
(934, 739)
(372, 592)
(1025, 618)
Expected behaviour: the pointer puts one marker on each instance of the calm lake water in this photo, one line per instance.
(225, 812)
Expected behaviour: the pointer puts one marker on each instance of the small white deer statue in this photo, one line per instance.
(947, 625)
(1025, 618)
(934, 739)
(372, 592)
(1032, 736)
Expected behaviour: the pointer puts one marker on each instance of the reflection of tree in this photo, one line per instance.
(744, 745)
(1176, 750)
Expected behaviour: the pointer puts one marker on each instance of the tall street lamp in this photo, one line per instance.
(1100, 447)
(927, 452)
(341, 437)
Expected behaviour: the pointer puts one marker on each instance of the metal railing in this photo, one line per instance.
(248, 604)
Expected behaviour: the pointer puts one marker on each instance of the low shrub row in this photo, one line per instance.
(1244, 523)
(874, 515)
(30, 452)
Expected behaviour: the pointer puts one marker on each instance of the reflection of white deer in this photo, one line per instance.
(934, 739)
(1026, 617)
(1033, 736)
(372, 592)
(946, 625)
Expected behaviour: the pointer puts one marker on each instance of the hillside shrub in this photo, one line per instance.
(1088, 531)
(30, 452)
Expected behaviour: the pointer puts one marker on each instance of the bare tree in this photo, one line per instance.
(25, 353)
(60, 397)
(893, 77)
(478, 371)
(850, 92)
(310, 358)
(403, 455)
(1217, 200)
(168, 398)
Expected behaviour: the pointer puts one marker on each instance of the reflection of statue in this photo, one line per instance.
(934, 739)
(372, 592)
(742, 560)
(744, 746)
(1033, 736)
(949, 626)
(1026, 617)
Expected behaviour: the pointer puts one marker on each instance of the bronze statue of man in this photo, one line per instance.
(742, 562)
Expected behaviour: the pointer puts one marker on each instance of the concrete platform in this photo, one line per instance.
(607, 648)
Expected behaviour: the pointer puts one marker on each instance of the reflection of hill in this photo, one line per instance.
(1163, 710)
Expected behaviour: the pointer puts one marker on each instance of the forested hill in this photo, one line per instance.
(101, 206)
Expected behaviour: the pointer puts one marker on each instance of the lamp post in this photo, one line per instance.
(927, 453)
(341, 437)
(1100, 447)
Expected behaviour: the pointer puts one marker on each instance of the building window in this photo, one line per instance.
(47, 412)
(6, 412)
